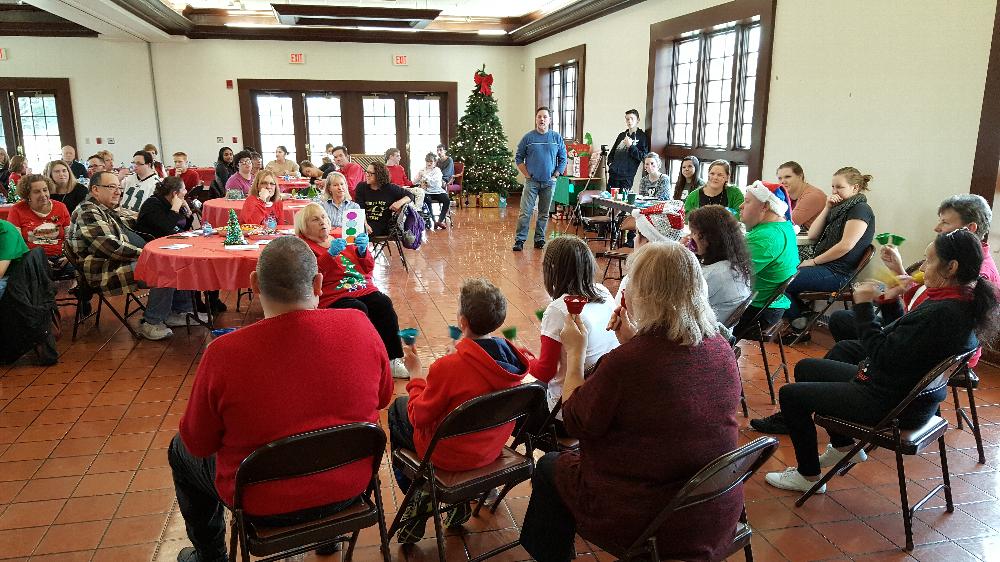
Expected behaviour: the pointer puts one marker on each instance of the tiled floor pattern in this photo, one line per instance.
(84, 475)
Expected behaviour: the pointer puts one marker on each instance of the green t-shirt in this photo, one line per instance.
(775, 257)
(12, 245)
(732, 195)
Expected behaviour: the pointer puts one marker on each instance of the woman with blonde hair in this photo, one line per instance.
(264, 200)
(347, 278)
(67, 190)
(669, 392)
(336, 198)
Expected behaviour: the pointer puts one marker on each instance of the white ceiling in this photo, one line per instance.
(470, 8)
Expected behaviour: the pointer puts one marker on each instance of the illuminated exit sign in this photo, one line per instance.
(399, 60)
(297, 58)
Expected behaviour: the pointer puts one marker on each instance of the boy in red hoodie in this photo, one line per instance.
(480, 364)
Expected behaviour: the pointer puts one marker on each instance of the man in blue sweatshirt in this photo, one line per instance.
(541, 157)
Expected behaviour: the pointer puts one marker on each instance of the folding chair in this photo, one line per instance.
(969, 380)
(615, 255)
(730, 323)
(888, 435)
(511, 468)
(382, 244)
(717, 479)
(455, 187)
(844, 294)
(763, 334)
(303, 455)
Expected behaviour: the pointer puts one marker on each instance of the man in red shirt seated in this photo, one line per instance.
(188, 175)
(480, 364)
(397, 174)
(354, 173)
(246, 395)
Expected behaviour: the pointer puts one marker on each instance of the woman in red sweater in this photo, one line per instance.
(42, 221)
(347, 279)
(264, 200)
(669, 394)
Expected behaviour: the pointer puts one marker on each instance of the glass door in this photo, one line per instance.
(424, 127)
(277, 125)
(324, 122)
(379, 123)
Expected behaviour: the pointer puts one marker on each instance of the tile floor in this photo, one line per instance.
(84, 476)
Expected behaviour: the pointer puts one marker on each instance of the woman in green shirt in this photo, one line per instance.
(716, 191)
(12, 246)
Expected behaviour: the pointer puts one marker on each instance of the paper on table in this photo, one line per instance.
(175, 247)
(264, 241)
(286, 231)
(189, 234)
(242, 247)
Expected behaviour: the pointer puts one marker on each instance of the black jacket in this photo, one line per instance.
(27, 306)
(158, 219)
(73, 198)
(626, 163)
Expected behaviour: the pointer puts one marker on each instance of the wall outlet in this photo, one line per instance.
(235, 140)
(218, 140)
(111, 140)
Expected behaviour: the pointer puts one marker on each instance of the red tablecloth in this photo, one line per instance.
(296, 183)
(206, 266)
(207, 175)
(5, 210)
(216, 211)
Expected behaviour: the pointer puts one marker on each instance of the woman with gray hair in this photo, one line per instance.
(681, 394)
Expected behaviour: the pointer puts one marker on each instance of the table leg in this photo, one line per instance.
(194, 305)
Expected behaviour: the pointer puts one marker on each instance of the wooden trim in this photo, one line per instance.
(660, 81)
(545, 63)
(986, 165)
(361, 12)
(64, 102)
(577, 13)
(337, 35)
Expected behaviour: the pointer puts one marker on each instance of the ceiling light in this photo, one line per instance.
(492, 32)
(264, 25)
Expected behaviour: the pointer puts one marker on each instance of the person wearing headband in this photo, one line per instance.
(773, 252)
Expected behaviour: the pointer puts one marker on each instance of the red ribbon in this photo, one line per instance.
(484, 81)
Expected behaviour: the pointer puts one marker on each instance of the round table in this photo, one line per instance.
(295, 183)
(204, 266)
(5, 210)
(216, 211)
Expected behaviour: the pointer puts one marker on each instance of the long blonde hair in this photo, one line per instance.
(666, 290)
(70, 184)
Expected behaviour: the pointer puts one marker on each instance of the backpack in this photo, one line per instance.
(412, 233)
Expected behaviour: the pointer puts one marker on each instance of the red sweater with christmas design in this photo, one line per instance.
(347, 275)
(254, 210)
(46, 232)
(468, 373)
(245, 395)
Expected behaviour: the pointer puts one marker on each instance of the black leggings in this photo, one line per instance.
(378, 307)
(445, 202)
(831, 391)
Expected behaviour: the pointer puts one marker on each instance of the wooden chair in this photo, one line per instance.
(717, 479)
(364, 159)
(618, 256)
(730, 323)
(844, 294)
(455, 189)
(511, 468)
(762, 334)
(888, 435)
(302, 455)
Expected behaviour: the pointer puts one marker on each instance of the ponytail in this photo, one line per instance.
(984, 310)
(965, 248)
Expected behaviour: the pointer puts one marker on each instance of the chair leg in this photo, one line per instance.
(402, 257)
(124, 320)
(496, 503)
(943, 451)
(958, 408)
(380, 509)
(748, 552)
(974, 422)
(836, 469)
(903, 500)
(767, 368)
(397, 520)
(606, 268)
(743, 399)
(350, 546)
(479, 503)
(784, 361)
(438, 527)
(234, 535)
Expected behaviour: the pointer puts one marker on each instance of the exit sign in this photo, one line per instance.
(297, 58)
(3, 54)
(399, 60)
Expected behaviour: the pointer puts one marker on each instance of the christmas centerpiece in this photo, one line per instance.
(481, 144)
(234, 234)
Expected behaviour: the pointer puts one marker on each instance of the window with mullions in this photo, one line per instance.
(562, 99)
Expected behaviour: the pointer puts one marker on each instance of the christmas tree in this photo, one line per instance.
(481, 144)
(12, 196)
(234, 234)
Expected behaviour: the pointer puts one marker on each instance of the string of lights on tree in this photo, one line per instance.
(481, 144)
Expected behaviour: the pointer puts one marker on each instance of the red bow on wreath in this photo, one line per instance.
(484, 81)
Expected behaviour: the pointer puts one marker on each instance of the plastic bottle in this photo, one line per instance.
(271, 223)
(206, 229)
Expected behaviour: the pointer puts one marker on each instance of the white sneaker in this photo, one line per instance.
(179, 319)
(154, 332)
(790, 479)
(832, 456)
(399, 370)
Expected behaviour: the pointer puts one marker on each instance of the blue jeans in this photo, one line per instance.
(533, 190)
(815, 278)
(164, 300)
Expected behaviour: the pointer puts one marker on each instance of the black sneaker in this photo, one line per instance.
(539, 244)
(775, 423)
(459, 515)
(415, 517)
(790, 337)
(518, 245)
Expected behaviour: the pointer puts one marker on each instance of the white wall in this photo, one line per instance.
(893, 88)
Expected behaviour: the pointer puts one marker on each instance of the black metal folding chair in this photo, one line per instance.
(303, 455)
(888, 435)
(717, 479)
(730, 323)
(762, 334)
(511, 468)
(844, 294)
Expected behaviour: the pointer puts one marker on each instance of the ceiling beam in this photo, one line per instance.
(26, 20)
(571, 16)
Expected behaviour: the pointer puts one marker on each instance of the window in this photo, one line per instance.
(36, 119)
(709, 77)
(277, 127)
(323, 117)
(424, 115)
(559, 86)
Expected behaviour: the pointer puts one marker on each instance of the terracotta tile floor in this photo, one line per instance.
(83, 472)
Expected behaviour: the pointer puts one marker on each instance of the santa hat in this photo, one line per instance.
(774, 194)
(661, 222)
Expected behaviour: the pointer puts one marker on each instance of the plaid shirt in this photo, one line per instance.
(100, 248)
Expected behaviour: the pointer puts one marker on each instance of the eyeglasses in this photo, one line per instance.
(111, 187)
(370, 172)
(268, 183)
(246, 161)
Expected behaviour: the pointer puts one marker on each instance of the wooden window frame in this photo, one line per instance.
(64, 108)
(351, 93)
(659, 92)
(543, 81)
